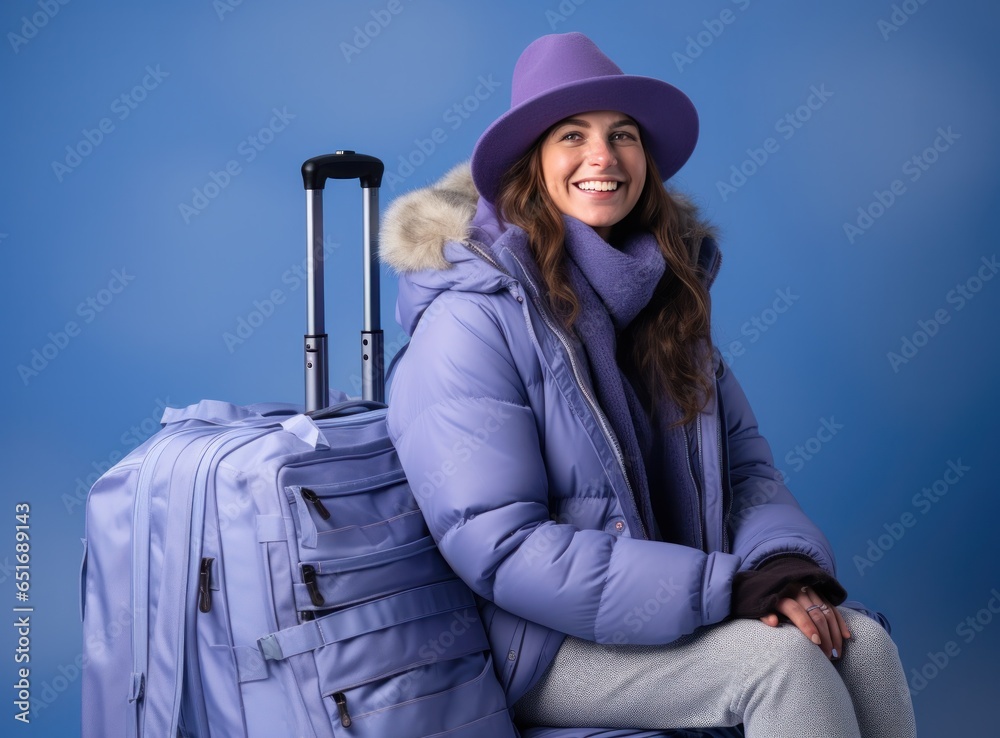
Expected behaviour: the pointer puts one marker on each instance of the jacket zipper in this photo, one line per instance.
(594, 407)
(727, 492)
(723, 477)
(697, 489)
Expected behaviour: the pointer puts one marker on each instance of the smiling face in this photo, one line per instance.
(594, 167)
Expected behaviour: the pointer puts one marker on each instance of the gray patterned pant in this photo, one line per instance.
(773, 680)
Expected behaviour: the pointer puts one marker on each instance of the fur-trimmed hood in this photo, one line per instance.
(417, 225)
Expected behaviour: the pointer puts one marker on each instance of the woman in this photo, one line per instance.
(585, 461)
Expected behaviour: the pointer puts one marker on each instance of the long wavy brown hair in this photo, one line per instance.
(670, 339)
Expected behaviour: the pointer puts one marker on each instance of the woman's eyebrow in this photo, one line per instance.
(573, 122)
(581, 123)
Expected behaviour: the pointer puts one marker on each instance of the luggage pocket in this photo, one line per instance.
(460, 697)
(336, 583)
(389, 636)
(414, 663)
(345, 519)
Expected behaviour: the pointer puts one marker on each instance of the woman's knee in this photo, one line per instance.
(867, 634)
(786, 648)
(776, 658)
(789, 675)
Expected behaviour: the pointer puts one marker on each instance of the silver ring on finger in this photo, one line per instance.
(815, 607)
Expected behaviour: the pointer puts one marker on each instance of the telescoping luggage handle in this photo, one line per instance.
(315, 172)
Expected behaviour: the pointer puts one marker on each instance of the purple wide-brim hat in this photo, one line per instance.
(566, 74)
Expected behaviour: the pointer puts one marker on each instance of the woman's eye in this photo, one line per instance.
(621, 136)
(572, 137)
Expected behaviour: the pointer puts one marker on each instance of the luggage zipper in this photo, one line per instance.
(139, 717)
(205, 585)
(313, 499)
(309, 579)
(140, 578)
(345, 716)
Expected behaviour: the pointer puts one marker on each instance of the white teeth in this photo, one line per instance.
(597, 186)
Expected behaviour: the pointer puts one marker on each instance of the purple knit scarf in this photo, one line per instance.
(613, 285)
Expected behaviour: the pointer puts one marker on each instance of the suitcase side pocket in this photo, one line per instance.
(415, 661)
(339, 583)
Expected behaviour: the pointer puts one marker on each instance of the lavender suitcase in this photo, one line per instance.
(260, 571)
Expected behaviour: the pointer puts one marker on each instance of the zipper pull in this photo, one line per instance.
(205, 585)
(341, 700)
(313, 499)
(309, 578)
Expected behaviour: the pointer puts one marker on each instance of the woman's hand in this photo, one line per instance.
(818, 620)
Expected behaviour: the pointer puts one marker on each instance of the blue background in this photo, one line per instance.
(104, 222)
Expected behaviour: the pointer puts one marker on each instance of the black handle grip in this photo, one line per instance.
(342, 165)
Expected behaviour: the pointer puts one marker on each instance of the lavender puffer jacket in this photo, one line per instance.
(517, 471)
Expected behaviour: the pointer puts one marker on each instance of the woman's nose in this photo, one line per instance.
(600, 153)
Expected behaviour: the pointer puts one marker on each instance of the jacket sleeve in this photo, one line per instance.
(765, 520)
(470, 444)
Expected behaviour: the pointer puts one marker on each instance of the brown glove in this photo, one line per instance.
(756, 593)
